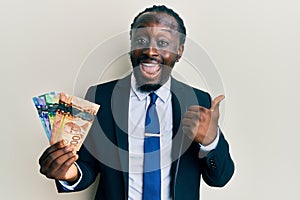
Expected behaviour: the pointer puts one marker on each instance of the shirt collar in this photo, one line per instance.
(163, 92)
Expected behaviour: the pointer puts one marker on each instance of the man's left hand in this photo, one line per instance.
(201, 124)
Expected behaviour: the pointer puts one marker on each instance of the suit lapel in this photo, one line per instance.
(178, 103)
(120, 105)
(178, 106)
(182, 97)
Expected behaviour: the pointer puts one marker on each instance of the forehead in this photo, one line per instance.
(155, 19)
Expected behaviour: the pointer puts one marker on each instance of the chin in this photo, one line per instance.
(146, 84)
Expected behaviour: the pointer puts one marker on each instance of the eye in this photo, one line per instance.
(163, 43)
(141, 41)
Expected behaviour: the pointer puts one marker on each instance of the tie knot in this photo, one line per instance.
(153, 97)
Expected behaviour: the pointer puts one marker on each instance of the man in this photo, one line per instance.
(190, 144)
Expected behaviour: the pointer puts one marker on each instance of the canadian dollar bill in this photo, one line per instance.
(41, 115)
(52, 100)
(70, 118)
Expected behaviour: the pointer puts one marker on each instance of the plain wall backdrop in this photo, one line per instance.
(255, 47)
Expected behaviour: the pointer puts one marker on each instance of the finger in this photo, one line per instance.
(67, 164)
(216, 102)
(196, 108)
(191, 115)
(197, 115)
(59, 162)
(59, 145)
(187, 131)
(60, 170)
(188, 122)
(54, 157)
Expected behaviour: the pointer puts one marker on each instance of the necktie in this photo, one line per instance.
(151, 175)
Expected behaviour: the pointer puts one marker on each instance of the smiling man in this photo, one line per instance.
(154, 137)
(155, 47)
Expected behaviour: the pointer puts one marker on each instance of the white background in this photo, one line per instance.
(254, 44)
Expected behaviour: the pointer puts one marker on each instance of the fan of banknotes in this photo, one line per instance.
(65, 117)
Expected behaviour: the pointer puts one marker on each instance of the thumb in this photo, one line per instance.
(216, 102)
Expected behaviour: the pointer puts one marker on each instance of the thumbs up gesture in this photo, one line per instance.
(201, 124)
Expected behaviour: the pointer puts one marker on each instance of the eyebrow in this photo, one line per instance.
(163, 29)
(167, 30)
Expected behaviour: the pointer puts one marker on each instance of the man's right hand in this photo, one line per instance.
(57, 162)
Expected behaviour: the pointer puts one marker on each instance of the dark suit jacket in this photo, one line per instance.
(105, 149)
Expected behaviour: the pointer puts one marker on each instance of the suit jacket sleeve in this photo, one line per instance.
(217, 166)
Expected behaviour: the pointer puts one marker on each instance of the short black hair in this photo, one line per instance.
(164, 9)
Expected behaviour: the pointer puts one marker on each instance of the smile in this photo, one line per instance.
(150, 69)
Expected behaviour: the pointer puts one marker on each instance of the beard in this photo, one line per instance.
(149, 87)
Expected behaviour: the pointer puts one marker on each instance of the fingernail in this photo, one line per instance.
(70, 148)
(64, 142)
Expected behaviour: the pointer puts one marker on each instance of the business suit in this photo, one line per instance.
(107, 142)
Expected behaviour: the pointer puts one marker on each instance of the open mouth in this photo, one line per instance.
(150, 69)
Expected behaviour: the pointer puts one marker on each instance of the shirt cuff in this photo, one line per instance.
(204, 150)
(72, 187)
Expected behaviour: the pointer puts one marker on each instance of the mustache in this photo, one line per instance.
(145, 58)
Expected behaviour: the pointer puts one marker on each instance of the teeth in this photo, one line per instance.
(149, 64)
(150, 68)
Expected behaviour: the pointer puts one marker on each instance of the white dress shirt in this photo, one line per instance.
(138, 104)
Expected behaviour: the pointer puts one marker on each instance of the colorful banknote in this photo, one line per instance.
(65, 117)
(41, 112)
(52, 100)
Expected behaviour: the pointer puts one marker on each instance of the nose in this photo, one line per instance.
(151, 51)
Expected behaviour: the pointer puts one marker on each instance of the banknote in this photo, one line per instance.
(65, 117)
(40, 104)
(64, 102)
(41, 116)
(75, 117)
(52, 100)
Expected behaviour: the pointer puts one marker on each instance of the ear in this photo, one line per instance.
(180, 52)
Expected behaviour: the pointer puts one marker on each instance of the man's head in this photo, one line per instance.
(157, 42)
